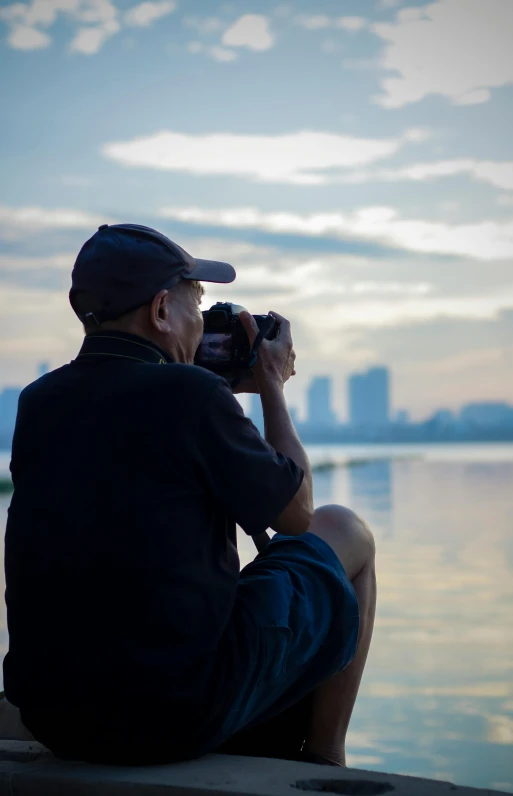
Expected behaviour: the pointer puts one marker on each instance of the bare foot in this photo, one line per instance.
(333, 757)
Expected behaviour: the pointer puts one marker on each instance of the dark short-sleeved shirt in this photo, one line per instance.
(130, 474)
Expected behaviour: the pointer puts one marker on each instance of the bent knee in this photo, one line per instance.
(340, 520)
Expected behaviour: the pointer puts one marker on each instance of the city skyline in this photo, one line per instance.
(351, 159)
(371, 416)
(318, 398)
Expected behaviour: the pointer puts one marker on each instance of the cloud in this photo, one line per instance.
(144, 14)
(90, 40)
(457, 48)
(96, 20)
(36, 12)
(251, 31)
(222, 53)
(10, 262)
(487, 240)
(18, 222)
(351, 24)
(499, 174)
(47, 273)
(204, 25)
(23, 37)
(390, 299)
(321, 21)
(216, 52)
(302, 158)
(313, 21)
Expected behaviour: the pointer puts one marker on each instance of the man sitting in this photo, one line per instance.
(133, 636)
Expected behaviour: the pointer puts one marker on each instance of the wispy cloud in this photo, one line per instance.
(18, 222)
(144, 14)
(497, 173)
(322, 21)
(457, 48)
(302, 158)
(10, 262)
(389, 3)
(216, 52)
(487, 240)
(205, 26)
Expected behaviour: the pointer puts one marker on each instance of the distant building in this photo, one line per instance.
(8, 409)
(255, 411)
(42, 368)
(442, 422)
(319, 408)
(443, 417)
(488, 414)
(369, 397)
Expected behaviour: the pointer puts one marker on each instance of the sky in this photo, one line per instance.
(351, 158)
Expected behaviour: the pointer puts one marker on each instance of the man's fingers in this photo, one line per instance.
(250, 325)
(284, 326)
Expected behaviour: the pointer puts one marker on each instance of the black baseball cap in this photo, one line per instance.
(123, 266)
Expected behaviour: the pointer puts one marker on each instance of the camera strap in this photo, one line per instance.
(252, 358)
(254, 350)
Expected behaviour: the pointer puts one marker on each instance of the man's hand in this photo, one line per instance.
(275, 358)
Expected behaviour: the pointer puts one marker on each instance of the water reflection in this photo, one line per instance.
(371, 493)
(436, 698)
(437, 695)
(324, 482)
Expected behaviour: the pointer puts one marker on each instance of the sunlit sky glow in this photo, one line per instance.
(351, 158)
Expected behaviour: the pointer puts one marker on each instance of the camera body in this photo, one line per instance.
(225, 347)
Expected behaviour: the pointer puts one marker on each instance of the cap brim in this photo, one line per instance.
(211, 271)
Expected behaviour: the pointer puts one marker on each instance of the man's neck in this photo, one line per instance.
(120, 343)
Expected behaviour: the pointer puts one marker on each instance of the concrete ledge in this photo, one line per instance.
(28, 769)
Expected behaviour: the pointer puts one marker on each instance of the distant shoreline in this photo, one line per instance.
(354, 454)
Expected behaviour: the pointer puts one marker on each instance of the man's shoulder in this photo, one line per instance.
(161, 383)
(45, 383)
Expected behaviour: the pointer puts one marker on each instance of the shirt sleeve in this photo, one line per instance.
(251, 481)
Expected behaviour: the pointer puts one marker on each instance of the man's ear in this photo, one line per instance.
(159, 312)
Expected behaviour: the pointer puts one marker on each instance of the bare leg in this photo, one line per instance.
(11, 726)
(333, 700)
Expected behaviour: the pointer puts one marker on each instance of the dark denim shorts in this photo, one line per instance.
(295, 624)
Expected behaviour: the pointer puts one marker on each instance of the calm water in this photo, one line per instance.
(437, 694)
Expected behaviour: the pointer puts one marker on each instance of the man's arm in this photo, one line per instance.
(274, 367)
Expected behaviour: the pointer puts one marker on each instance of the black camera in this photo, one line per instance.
(225, 347)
